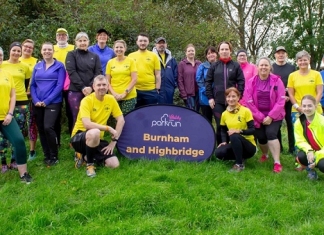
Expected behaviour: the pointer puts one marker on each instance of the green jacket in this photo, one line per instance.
(316, 127)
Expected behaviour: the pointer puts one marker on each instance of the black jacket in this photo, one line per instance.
(221, 76)
(82, 67)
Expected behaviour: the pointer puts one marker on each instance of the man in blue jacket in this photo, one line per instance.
(169, 71)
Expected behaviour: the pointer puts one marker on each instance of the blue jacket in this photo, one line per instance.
(200, 79)
(47, 85)
(169, 77)
(105, 55)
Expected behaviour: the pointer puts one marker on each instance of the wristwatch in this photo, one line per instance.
(127, 91)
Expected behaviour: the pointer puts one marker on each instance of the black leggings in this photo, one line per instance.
(45, 120)
(217, 111)
(238, 149)
(267, 132)
(302, 158)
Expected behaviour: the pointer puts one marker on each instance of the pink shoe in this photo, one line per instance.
(4, 168)
(277, 168)
(263, 158)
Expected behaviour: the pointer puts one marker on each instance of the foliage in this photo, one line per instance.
(302, 28)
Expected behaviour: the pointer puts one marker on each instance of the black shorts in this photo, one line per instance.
(78, 142)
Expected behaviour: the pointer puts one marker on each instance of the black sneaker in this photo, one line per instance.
(52, 162)
(26, 178)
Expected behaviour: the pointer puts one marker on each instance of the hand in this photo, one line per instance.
(39, 104)
(86, 91)
(267, 120)
(7, 120)
(287, 98)
(43, 104)
(310, 157)
(299, 109)
(233, 131)
(109, 149)
(224, 143)
(113, 132)
(211, 103)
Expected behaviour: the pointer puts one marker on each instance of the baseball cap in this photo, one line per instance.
(61, 30)
(280, 48)
(103, 31)
(160, 39)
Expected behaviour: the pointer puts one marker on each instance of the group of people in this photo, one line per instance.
(248, 102)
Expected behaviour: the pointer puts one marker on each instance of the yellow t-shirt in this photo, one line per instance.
(146, 62)
(6, 84)
(31, 61)
(305, 85)
(19, 72)
(120, 73)
(98, 111)
(60, 53)
(163, 59)
(238, 121)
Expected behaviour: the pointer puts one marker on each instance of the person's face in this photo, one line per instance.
(264, 68)
(190, 53)
(15, 52)
(211, 56)
(47, 51)
(232, 99)
(82, 43)
(242, 58)
(102, 38)
(100, 87)
(303, 63)
(119, 48)
(27, 49)
(161, 46)
(281, 56)
(1, 57)
(142, 42)
(308, 107)
(61, 37)
(224, 51)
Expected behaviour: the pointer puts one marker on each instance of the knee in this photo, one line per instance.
(220, 152)
(93, 137)
(320, 165)
(234, 137)
(302, 158)
(112, 162)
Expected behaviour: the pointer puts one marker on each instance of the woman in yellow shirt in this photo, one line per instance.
(21, 74)
(8, 125)
(237, 125)
(121, 73)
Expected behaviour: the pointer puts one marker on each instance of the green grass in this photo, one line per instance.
(161, 197)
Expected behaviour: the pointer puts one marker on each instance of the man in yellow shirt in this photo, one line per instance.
(148, 72)
(89, 128)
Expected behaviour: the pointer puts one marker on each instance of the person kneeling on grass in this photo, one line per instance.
(309, 136)
(237, 123)
(88, 132)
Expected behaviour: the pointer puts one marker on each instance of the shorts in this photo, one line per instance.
(78, 142)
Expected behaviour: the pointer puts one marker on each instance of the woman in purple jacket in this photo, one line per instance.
(187, 84)
(265, 97)
(46, 92)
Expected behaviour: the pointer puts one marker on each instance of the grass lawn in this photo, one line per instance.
(161, 197)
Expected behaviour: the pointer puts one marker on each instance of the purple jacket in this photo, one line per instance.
(187, 78)
(277, 99)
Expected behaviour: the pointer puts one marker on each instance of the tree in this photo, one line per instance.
(302, 23)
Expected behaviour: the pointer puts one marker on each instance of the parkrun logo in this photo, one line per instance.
(168, 120)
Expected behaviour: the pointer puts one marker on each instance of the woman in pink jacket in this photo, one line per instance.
(265, 97)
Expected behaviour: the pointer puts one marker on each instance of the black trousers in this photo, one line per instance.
(290, 129)
(46, 118)
(207, 112)
(302, 158)
(238, 149)
(217, 111)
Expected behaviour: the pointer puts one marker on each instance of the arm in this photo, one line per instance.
(175, 72)
(12, 104)
(250, 128)
(280, 102)
(71, 68)
(108, 76)
(300, 140)
(209, 82)
(33, 88)
(319, 93)
(182, 91)
(97, 69)
(119, 127)
(59, 85)
(224, 134)
(240, 80)
(157, 74)
(200, 76)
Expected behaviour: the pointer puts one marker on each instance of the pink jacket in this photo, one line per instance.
(277, 99)
(249, 71)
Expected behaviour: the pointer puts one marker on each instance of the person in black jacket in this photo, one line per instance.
(222, 74)
(82, 66)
